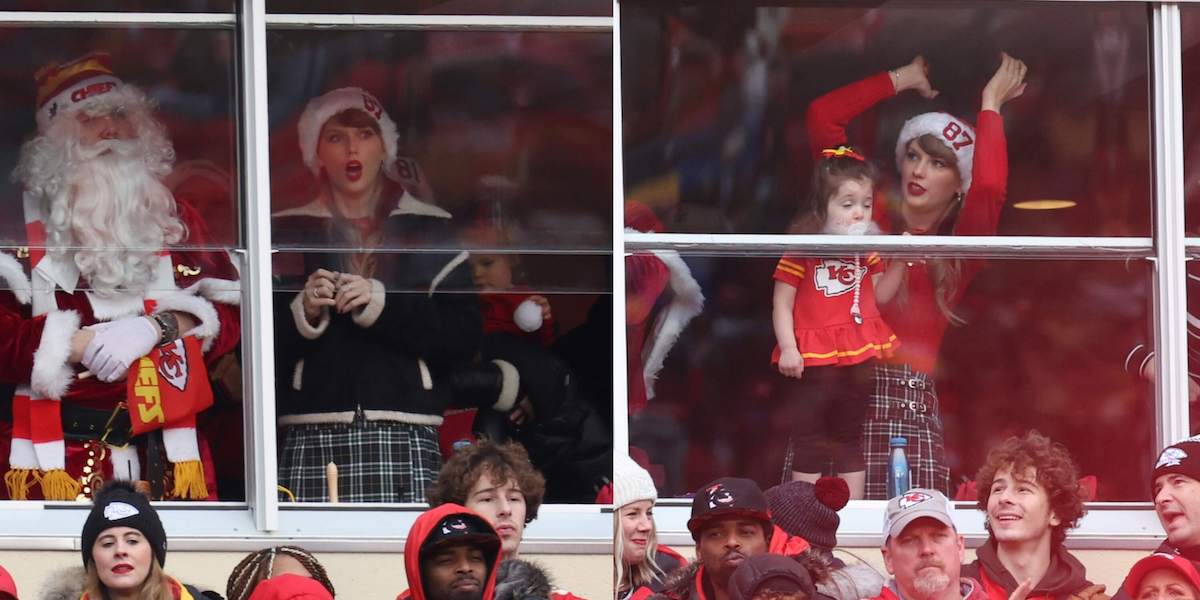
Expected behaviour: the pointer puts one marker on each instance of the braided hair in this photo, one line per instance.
(257, 566)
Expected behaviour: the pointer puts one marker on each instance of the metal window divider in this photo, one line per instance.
(1170, 292)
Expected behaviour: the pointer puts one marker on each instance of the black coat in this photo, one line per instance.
(427, 320)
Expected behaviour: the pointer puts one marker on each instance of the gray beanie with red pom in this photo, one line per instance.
(810, 510)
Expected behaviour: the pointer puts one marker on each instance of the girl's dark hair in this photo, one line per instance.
(257, 567)
(828, 174)
(944, 273)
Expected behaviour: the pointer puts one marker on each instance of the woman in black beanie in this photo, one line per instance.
(124, 548)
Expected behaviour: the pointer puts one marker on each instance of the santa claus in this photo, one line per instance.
(116, 269)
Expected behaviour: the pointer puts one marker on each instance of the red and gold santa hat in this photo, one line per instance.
(65, 88)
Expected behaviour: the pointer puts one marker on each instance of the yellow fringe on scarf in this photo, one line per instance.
(19, 482)
(57, 484)
(189, 481)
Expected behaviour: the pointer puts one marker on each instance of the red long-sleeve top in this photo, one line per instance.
(914, 315)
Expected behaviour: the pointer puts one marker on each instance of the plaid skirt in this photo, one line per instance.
(904, 403)
(378, 461)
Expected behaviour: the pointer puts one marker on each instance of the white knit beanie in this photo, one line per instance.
(631, 482)
(957, 135)
(322, 108)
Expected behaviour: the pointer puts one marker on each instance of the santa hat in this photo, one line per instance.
(322, 108)
(65, 88)
(954, 133)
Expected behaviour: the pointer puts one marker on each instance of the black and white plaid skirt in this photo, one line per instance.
(904, 403)
(377, 461)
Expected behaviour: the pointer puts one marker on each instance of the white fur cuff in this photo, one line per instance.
(52, 376)
(509, 387)
(302, 325)
(367, 315)
(13, 274)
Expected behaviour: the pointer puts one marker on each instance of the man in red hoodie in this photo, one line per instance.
(451, 553)
(1029, 491)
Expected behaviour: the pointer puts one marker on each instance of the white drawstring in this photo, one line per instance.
(855, 312)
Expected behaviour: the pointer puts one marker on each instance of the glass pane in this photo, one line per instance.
(446, 7)
(1190, 25)
(166, 6)
(121, 149)
(416, 146)
(725, 111)
(510, 131)
(188, 74)
(1023, 359)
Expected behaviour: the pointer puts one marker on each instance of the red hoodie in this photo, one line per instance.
(420, 531)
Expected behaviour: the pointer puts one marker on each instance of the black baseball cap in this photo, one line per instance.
(462, 529)
(729, 497)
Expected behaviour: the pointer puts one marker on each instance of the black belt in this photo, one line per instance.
(88, 424)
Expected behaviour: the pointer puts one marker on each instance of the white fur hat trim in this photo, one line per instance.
(321, 108)
(957, 135)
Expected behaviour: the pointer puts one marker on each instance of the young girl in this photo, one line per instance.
(826, 319)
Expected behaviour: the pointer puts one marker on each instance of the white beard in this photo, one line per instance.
(112, 216)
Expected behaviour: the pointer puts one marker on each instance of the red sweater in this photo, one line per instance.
(917, 320)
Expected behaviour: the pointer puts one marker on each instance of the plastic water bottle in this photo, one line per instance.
(898, 480)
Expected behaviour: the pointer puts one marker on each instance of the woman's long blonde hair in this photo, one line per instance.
(157, 585)
(645, 573)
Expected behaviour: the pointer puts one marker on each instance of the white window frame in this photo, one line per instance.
(1107, 525)
(262, 520)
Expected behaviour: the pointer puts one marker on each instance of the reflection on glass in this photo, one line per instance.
(1022, 359)
(162, 6)
(588, 8)
(715, 104)
(511, 130)
(117, 304)
(1190, 38)
(187, 73)
(394, 347)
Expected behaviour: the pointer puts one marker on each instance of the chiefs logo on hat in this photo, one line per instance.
(913, 499)
(454, 526)
(1171, 457)
(718, 496)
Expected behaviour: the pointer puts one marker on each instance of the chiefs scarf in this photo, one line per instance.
(166, 390)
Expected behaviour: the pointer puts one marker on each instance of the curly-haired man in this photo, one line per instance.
(1029, 491)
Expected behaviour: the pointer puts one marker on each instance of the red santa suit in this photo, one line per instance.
(47, 301)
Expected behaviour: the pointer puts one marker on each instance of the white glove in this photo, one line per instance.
(117, 344)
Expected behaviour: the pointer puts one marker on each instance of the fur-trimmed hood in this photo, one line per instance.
(522, 580)
(847, 583)
(63, 584)
(852, 582)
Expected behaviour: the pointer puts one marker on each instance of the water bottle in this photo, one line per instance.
(898, 481)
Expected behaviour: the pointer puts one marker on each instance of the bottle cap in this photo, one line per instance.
(899, 441)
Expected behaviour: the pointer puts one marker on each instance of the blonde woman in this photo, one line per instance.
(640, 563)
(124, 549)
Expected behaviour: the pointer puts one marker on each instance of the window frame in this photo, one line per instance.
(261, 520)
(1108, 525)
